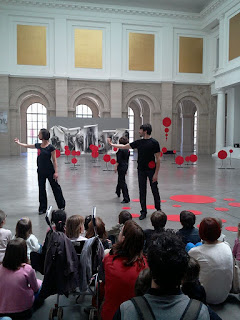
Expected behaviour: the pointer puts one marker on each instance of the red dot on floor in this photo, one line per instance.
(233, 229)
(126, 208)
(135, 215)
(173, 217)
(150, 206)
(229, 199)
(196, 212)
(221, 209)
(135, 200)
(198, 225)
(191, 198)
(234, 204)
(176, 205)
(224, 220)
(163, 201)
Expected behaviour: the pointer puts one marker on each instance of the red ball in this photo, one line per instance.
(73, 153)
(179, 160)
(222, 154)
(174, 151)
(58, 153)
(112, 161)
(115, 149)
(91, 146)
(193, 157)
(67, 152)
(166, 130)
(74, 160)
(66, 148)
(166, 122)
(78, 153)
(187, 158)
(161, 154)
(166, 134)
(106, 158)
(151, 164)
(94, 148)
(164, 150)
(95, 154)
(231, 150)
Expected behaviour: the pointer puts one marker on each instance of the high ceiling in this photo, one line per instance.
(195, 6)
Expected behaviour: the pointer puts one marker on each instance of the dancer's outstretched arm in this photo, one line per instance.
(32, 146)
(119, 146)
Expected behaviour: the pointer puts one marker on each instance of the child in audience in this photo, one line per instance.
(18, 282)
(114, 232)
(24, 231)
(143, 282)
(222, 236)
(191, 285)
(5, 235)
(75, 228)
(236, 248)
(101, 232)
(158, 220)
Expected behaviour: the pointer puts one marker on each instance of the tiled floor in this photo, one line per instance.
(90, 186)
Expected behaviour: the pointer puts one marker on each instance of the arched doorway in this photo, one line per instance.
(187, 127)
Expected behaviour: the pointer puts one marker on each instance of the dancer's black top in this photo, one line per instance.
(44, 161)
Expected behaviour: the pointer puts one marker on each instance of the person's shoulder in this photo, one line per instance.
(154, 140)
(5, 231)
(51, 147)
(38, 145)
(27, 268)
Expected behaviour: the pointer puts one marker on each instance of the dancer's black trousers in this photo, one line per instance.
(57, 191)
(142, 182)
(122, 185)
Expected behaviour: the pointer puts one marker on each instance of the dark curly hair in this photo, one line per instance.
(167, 259)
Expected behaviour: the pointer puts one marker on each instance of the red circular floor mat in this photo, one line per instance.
(191, 198)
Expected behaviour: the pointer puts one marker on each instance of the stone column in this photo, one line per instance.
(230, 117)
(61, 97)
(166, 111)
(4, 107)
(220, 124)
(116, 99)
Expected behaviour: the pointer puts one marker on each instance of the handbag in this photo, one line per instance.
(236, 278)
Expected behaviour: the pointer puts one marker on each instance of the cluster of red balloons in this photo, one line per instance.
(166, 122)
(222, 154)
(107, 158)
(192, 158)
(94, 149)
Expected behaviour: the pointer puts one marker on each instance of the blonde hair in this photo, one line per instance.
(74, 225)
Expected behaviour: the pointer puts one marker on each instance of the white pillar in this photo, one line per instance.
(116, 99)
(220, 125)
(61, 98)
(230, 117)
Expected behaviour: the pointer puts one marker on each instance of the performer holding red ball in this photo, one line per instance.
(47, 169)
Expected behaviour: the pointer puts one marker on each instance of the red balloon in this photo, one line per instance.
(74, 160)
(66, 148)
(166, 134)
(166, 130)
(99, 146)
(67, 152)
(73, 153)
(222, 154)
(174, 151)
(91, 146)
(151, 164)
(95, 154)
(114, 149)
(166, 122)
(164, 150)
(78, 153)
(187, 158)
(58, 153)
(112, 161)
(179, 160)
(193, 157)
(106, 158)
(231, 150)
(161, 154)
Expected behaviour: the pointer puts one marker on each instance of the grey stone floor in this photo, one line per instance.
(90, 186)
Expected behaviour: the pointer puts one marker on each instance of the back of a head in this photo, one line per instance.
(192, 272)
(2, 217)
(15, 254)
(219, 221)
(124, 216)
(146, 127)
(123, 140)
(45, 134)
(158, 220)
(143, 282)
(59, 218)
(23, 228)
(100, 228)
(167, 259)
(209, 230)
(74, 225)
(187, 219)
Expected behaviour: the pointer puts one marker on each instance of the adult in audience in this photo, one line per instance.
(148, 165)
(122, 267)
(18, 282)
(216, 262)
(158, 220)
(113, 233)
(236, 248)
(168, 262)
(75, 228)
(47, 169)
(5, 235)
(188, 232)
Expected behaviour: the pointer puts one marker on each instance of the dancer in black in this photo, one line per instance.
(148, 165)
(121, 167)
(47, 169)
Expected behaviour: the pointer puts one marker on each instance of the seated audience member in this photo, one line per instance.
(114, 232)
(5, 235)
(216, 262)
(121, 268)
(188, 232)
(191, 285)
(143, 282)
(222, 236)
(168, 262)
(24, 231)
(75, 228)
(158, 220)
(236, 248)
(101, 232)
(18, 282)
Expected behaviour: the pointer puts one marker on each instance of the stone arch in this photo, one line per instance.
(195, 97)
(99, 101)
